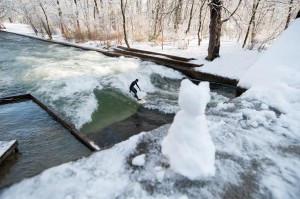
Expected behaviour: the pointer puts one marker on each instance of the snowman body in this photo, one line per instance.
(188, 145)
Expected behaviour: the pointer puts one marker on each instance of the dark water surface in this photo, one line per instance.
(43, 142)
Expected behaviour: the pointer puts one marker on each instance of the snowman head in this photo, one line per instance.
(192, 98)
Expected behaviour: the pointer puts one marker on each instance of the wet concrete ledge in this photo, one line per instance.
(11, 149)
(61, 119)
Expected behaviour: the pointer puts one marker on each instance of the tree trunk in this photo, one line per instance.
(156, 21)
(253, 34)
(200, 22)
(190, 18)
(178, 15)
(254, 9)
(32, 25)
(123, 7)
(298, 15)
(60, 18)
(46, 26)
(77, 17)
(96, 9)
(162, 28)
(289, 15)
(139, 6)
(29, 20)
(215, 27)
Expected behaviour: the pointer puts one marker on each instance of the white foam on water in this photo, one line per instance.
(66, 78)
(143, 72)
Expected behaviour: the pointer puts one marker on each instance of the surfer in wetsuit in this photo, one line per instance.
(132, 89)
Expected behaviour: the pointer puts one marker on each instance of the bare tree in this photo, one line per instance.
(252, 20)
(46, 24)
(77, 16)
(123, 10)
(60, 17)
(215, 28)
(289, 15)
(190, 18)
(177, 13)
(96, 9)
(3, 11)
(200, 22)
(158, 14)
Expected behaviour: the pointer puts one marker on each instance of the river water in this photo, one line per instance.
(72, 80)
(87, 87)
(43, 142)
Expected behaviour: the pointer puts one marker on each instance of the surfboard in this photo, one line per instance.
(142, 101)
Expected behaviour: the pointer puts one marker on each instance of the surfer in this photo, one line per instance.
(132, 89)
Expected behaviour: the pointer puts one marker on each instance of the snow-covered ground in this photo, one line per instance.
(256, 137)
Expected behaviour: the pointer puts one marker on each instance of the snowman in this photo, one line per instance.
(188, 145)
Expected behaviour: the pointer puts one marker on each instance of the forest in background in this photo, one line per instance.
(250, 22)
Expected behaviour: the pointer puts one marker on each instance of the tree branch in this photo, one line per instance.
(233, 12)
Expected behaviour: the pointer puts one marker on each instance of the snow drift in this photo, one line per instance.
(275, 77)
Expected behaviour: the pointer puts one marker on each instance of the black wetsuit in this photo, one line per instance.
(132, 89)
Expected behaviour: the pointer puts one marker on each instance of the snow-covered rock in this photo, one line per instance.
(188, 144)
(139, 160)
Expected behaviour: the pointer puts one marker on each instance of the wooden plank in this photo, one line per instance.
(198, 75)
(155, 53)
(158, 60)
(11, 148)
